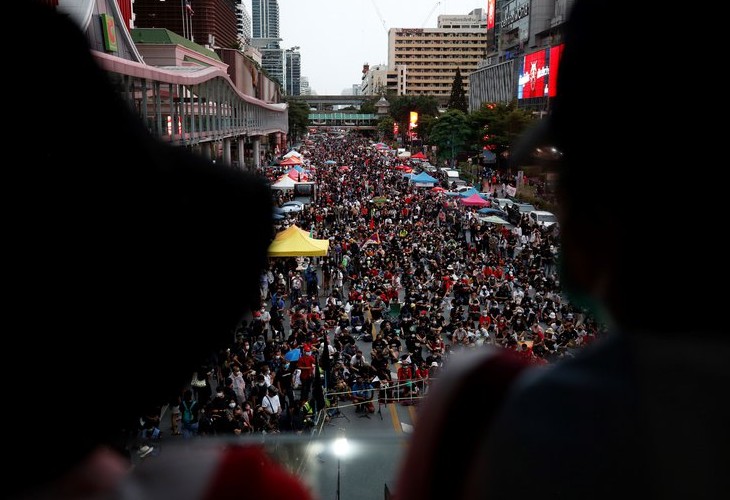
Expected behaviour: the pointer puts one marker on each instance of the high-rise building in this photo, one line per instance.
(374, 79)
(243, 23)
(207, 22)
(426, 59)
(265, 36)
(304, 86)
(265, 19)
(293, 71)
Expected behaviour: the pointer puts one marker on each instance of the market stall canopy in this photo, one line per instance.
(295, 242)
(418, 156)
(475, 201)
(489, 211)
(292, 160)
(493, 219)
(468, 192)
(297, 176)
(284, 182)
(424, 178)
(293, 153)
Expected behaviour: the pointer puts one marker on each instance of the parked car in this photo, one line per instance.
(292, 206)
(461, 189)
(543, 218)
(504, 203)
(459, 183)
(516, 210)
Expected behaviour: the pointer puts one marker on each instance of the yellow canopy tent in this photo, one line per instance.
(295, 242)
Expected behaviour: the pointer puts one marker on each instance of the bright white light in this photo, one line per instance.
(341, 447)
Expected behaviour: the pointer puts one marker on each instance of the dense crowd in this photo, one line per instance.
(411, 271)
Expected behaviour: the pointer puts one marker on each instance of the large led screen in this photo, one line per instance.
(534, 76)
(555, 53)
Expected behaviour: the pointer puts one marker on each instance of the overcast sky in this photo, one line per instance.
(336, 37)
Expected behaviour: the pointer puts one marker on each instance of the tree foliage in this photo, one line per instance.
(457, 100)
(451, 133)
(368, 106)
(496, 126)
(298, 119)
(385, 128)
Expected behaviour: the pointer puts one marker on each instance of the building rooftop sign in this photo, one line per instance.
(513, 12)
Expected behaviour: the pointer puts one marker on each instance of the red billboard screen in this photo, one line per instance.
(491, 7)
(555, 53)
(533, 80)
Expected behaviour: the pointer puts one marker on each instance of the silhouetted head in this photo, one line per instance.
(127, 257)
(629, 152)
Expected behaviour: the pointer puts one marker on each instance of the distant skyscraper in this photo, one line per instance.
(265, 18)
(243, 22)
(265, 36)
(293, 70)
(304, 86)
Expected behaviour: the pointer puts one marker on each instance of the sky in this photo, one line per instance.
(336, 37)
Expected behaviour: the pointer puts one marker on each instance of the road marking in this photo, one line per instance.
(412, 413)
(394, 418)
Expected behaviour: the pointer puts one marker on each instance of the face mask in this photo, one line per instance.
(219, 394)
(260, 384)
(231, 405)
(286, 365)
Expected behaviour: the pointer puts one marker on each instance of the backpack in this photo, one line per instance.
(187, 412)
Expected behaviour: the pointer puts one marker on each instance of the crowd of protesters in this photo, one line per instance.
(410, 270)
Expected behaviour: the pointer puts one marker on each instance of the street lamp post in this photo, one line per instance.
(340, 448)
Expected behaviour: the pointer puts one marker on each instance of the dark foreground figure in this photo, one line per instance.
(127, 260)
(643, 413)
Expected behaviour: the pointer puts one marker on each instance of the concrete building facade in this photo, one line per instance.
(424, 60)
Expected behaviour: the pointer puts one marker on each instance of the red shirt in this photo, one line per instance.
(306, 364)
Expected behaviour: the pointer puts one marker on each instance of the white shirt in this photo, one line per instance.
(271, 404)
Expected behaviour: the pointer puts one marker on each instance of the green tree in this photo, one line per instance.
(401, 106)
(451, 133)
(457, 100)
(368, 106)
(298, 119)
(497, 126)
(385, 128)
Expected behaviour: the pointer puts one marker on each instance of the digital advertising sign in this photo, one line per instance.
(538, 73)
(555, 53)
(491, 13)
(534, 74)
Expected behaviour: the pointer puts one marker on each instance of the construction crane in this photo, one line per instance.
(430, 14)
(380, 16)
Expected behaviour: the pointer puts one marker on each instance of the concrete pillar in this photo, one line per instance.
(227, 151)
(241, 152)
(206, 150)
(256, 151)
(282, 142)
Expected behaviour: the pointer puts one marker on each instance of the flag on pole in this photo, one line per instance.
(317, 389)
(189, 7)
(373, 240)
